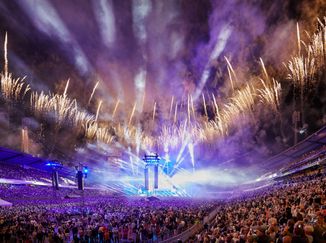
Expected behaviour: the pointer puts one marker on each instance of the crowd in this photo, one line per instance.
(307, 158)
(31, 194)
(100, 219)
(292, 212)
(286, 212)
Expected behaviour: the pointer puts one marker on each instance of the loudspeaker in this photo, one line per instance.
(156, 177)
(80, 180)
(55, 180)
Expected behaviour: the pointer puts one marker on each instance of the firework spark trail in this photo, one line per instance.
(81, 119)
(104, 135)
(205, 107)
(230, 77)
(230, 112)
(92, 94)
(303, 70)
(11, 89)
(298, 39)
(317, 46)
(219, 123)
(91, 130)
(62, 108)
(98, 109)
(132, 114)
(40, 103)
(171, 106)
(168, 137)
(302, 73)
(66, 88)
(24, 140)
(270, 94)
(192, 108)
(244, 98)
(264, 69)
(141, 109)
(230, 69)
(115, 108)
(6, 56)
(175, 112)
(215, 104)
(154, 111)
(188, 108)
(59, 106)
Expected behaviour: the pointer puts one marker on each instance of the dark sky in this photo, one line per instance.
(172, 42)
(46, 53)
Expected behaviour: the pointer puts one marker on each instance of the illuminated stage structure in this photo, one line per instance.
(151, 162)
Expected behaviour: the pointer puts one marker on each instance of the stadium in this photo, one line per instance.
(163, 121)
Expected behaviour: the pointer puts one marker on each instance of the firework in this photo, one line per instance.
(6, 56)
(115, 108)
(92, 94)
(171, 106)
(91, 130)
(192, 107)
(103, 135)
(270, 94)
(188, 108)
(231, 79)
(13, 89)
(25, 140)
(298, 39)
(305, 70)
(263, 67)
(81, 119)
(187, 131)
(215, 105)
(66, 88)
(40, 103)
(230, 70)
(317, 46)
(302, 70)
(204, 104)
(132, 114)
(154, 111)
(98, 109)
(245, 98)
(175, 112)
(62, 108)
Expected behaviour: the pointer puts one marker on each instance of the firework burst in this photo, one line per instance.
(270, 94)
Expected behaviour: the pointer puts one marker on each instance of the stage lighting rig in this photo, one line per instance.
(151, 160)
(55, 165)
(81, 173)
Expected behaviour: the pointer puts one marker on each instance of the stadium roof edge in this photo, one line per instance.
(313, 141)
